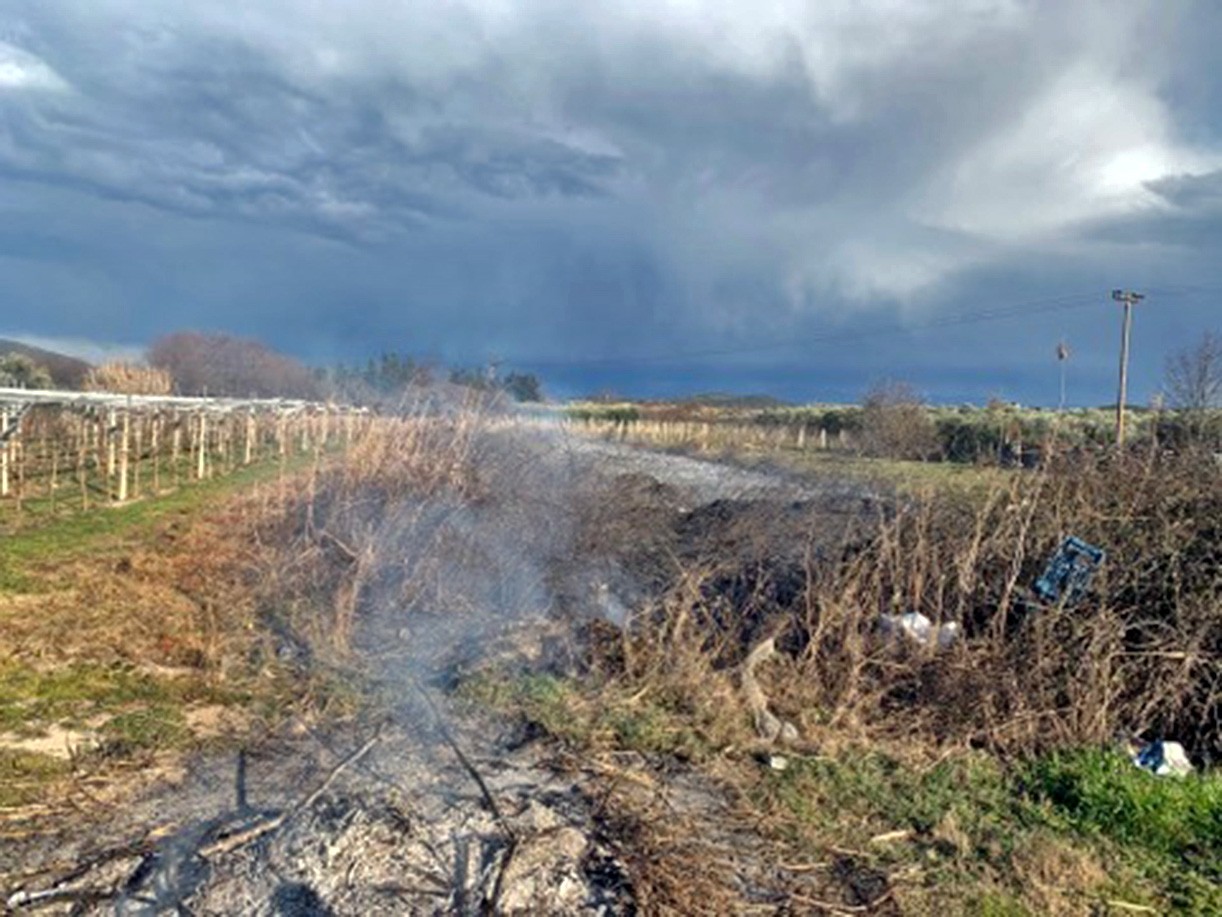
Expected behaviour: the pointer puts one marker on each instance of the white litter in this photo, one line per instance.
(1166, 759)
(915, 626)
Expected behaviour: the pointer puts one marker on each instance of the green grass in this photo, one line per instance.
(1101, 794)
(72, 695)
(23, 776)
(906, 476)
(590, 716)
(150, 728)
(65, 537)
(977, 835)
(970, 819)
(130, 712)
(871, 794)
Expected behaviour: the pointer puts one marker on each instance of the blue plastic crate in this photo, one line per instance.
(1068, 574)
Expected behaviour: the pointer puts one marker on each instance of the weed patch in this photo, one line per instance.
(1175, 822)
(25, 775)
(156, 727)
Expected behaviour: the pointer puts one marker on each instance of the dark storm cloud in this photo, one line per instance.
(580, 184)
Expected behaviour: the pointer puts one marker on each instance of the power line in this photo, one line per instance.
(1011, 310)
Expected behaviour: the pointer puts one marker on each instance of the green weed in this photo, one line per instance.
(150, 728)
(23, 775)
(1102, 794)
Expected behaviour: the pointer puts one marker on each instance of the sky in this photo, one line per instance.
(651, 197)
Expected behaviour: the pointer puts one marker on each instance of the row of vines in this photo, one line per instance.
(76, 455)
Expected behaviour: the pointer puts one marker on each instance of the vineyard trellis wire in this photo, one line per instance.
(73, 450)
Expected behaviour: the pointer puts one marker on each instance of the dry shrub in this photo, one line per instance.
(129, 379)
(1055, 874)
(336, 531)
(896, 424)
(1140, 654)
(181, 598)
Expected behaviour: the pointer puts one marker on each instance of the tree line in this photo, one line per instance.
(196, 363)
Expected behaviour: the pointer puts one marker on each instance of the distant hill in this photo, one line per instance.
(66, 372)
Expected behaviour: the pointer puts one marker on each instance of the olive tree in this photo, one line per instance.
(1193, 380)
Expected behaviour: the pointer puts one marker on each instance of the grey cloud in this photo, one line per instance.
(569, 179)
(1192, 193)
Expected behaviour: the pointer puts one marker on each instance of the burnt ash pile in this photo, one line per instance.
(438, 809)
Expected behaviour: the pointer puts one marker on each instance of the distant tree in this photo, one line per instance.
(1193, 380)
(1193, 374)
(896, 424)
(375, 379)
(19, 371)
(472, 378)
(523, 387)
(224, 365)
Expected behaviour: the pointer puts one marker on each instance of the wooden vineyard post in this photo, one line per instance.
(176, 450)
(221, 449)
(138, 444)
(201, 461)
(225, 443)
(4, 456)
(99, 460)
(110, 452)
(82, 458)
(125, 433)
(284, 456)
(54, 473)
(248, 444)
(19, 464)
(155, 451)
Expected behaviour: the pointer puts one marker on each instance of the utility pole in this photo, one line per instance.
(1062, 356)
(1129, 298)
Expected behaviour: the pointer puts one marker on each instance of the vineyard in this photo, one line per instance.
(65, 451)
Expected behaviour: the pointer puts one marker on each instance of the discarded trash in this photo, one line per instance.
(771, 761)
(768, 725)
(1166, 759)
(915, 626)
(902, 834)
(1068, 574)
(772, 728)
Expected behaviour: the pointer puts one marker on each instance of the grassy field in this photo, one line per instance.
(127, 633)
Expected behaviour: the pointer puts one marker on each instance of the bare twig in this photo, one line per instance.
(233, 842)
(511, 837)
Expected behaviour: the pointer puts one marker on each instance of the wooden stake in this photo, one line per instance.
(124, 454)
(176, 450)
(201, 463)
(156, 450)
(4, 457)
(110, 448)
(82, 458)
